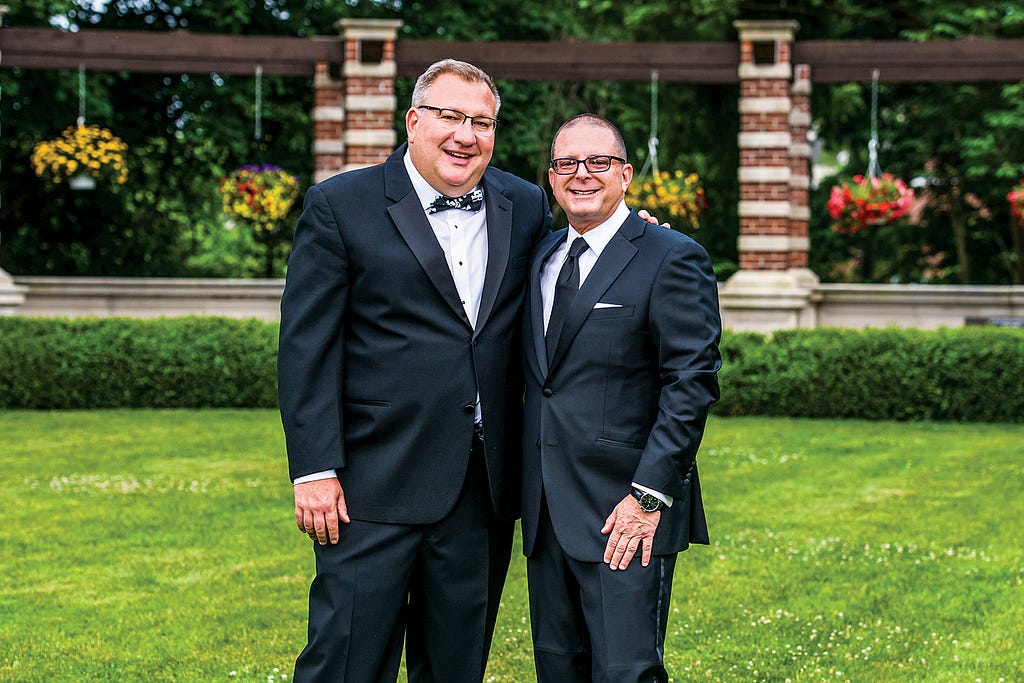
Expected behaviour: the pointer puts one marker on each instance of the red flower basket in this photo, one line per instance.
(1016, 199)
(868, 201)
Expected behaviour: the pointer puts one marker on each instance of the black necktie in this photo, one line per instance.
(566, 287)
(470, 202)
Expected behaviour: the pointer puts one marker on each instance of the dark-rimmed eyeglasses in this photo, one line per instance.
(599, 163)
(453, 118)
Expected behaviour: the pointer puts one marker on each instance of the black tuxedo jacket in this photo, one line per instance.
(379, 367)
(626, 396)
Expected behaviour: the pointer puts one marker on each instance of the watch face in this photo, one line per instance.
(649, 503)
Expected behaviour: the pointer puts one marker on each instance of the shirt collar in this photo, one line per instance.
(599, 237)
(424, 191)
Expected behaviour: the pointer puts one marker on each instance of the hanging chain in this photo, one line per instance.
(257, 129)
(874, 170)
(81, 95)
(651, 164)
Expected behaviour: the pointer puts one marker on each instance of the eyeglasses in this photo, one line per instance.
(599, 163)
(453, 118)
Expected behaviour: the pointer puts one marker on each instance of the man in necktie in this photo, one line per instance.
(401, 387)
(620, 339)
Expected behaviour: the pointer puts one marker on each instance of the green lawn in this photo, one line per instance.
(160, 546)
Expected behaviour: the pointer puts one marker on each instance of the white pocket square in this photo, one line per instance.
(601, 304)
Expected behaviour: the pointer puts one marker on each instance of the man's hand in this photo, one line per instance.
(646, 215)
(318, 507)
(631, 528)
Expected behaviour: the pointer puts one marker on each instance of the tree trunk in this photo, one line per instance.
(959, 223)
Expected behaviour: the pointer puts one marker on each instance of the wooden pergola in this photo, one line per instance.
(961, 61)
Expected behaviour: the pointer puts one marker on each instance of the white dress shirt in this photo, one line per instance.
(597, 239)
(463, 238)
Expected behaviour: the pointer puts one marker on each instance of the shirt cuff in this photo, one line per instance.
(316, 476)
(664, 498)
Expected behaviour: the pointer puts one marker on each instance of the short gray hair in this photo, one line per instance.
(463, 70)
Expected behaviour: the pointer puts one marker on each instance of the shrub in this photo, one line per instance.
(965, 374)
(968, 374)
(192, 362)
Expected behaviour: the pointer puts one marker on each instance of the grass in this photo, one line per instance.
(159, 546)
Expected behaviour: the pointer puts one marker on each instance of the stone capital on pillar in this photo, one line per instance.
(11, 295)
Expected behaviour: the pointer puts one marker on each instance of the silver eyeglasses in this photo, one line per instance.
(599, 163)
(453, 118)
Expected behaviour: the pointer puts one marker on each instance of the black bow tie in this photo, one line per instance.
(470, 202)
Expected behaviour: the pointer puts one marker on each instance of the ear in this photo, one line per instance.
(627, 175)
(551, 177)
(412, 119)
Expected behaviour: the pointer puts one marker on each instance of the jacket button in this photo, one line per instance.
(547, 392)
(470, 408)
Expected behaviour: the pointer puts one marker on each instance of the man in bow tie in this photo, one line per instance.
(401, 387)
(620, 336)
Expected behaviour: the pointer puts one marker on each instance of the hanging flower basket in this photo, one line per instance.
(868, 201)
(675, 197)
(89, 151)
(1016, 199)
(259, 195)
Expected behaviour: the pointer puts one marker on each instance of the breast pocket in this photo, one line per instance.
(611, 313)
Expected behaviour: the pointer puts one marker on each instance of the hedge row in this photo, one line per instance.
(965, 374)
(194, 362)
(970, 374)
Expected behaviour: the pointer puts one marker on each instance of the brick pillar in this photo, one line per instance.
(773, 288)
(353, 110)
(764, 142)
(799, 166)
(328, 123)
(369, 72)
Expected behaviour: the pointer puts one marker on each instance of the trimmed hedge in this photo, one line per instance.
(194, 362)
(966, 374)
(970, 374)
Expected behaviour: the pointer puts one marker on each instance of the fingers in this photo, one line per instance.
(629, 531)
(645, 558)
(319, 509)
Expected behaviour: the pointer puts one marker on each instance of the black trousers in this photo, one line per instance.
(592, 624)
(435, 586)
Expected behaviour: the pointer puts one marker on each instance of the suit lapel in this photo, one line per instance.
(613, 260)
(411, 222)
(544, 251)
(499, 239)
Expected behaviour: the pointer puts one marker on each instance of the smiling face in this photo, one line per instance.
(452, 160)
(589, 199)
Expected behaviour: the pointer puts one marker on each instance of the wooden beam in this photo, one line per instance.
(164, 52)
(958, 61)
(578, 60)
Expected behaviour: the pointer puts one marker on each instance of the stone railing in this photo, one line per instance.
(756, 307)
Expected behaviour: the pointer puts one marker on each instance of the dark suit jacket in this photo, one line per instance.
(626, 397)
(379, 367)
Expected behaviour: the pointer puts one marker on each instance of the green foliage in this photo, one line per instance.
(838, 547)
(968, 374)
(966, 141)
(130, 363)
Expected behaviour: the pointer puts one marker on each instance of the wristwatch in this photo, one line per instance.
(648, 503)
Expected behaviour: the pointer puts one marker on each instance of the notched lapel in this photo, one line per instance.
(544, 252)
(613, 260)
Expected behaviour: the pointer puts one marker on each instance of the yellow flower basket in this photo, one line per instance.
(81, 150)
(675, 197)
(260, 196)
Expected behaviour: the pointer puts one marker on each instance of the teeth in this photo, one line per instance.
(459, 156)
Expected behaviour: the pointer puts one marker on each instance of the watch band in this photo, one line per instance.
(648, 503)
